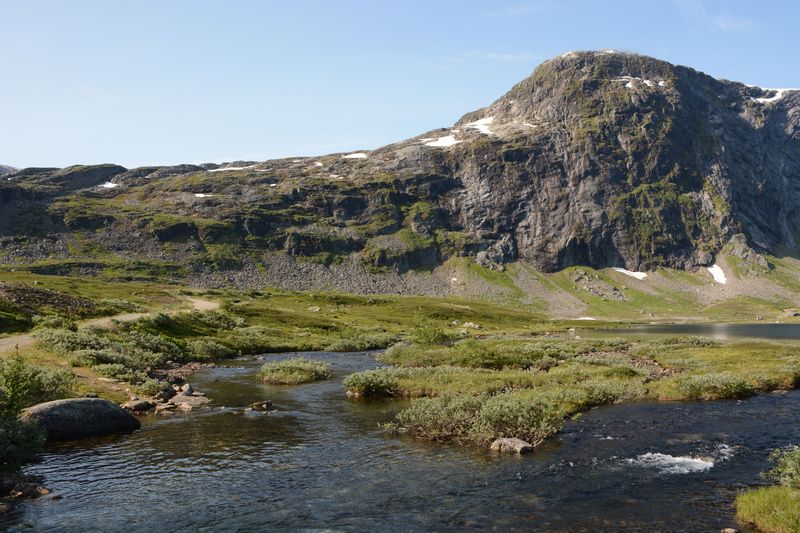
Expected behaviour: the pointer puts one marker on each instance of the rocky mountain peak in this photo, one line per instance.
(5, 169)
(597, 158)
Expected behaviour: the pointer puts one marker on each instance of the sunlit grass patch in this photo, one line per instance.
(294, 371)
(770, 509)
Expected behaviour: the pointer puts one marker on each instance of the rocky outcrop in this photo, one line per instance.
(139, 406)
(511, 445)
(15, 487)
(80, 418)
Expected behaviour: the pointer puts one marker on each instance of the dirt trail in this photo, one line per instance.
(9, 344)
(203, 305)
(25, 340)
(107, 321)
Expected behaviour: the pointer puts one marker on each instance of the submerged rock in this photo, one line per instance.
(511, 445)
(79, 418)
(165, 408)
(261, 406)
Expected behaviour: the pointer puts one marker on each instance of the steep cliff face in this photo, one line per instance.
(598, 158)
(626, 160)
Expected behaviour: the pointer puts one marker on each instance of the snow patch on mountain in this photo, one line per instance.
(638, 275)
(225, 169)
(779, 94)
(482, 125)
(718, 274)
(443, 142)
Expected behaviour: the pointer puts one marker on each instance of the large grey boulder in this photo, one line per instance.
(79, 418)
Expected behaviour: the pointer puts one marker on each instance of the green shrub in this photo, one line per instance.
(787, 467)
(253, 339)
(429, 334)
(186, 324)
(517, 414)
(714, 386)
(409, 355)
(24, 385)
(217, 319)
(294, 371)
(154, 344)
(371, 383)
(207, 349)
(151, 387)
(506, 354)
(464, 419)
(441, 419)
(21, 442)
(694, 342)
(120, 372)
(360, 342)
(95, 357)
(54, 322)
(64, 341)
(608, 389)
(119, 306)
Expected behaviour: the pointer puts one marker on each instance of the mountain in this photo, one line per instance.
(5, 169)
(598, 158)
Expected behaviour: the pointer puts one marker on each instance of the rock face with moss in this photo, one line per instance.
(80, 418)
(598, 158)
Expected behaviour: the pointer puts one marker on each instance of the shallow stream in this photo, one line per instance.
(322, 462)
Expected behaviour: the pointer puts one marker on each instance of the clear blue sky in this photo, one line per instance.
(162, 81)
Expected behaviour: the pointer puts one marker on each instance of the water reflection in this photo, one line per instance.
(717, 331)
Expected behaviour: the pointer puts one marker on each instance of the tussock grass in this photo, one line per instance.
(770, 509)
(294, 371)
(539, 382)
(775, 509)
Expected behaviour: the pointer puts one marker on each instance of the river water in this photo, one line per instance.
(716, 331)
(322, 462)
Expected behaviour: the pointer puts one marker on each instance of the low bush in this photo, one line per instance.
(371, 383)
(525, 415)
(117, 305)
(91, 358)
(467, 419)
(294, 371)
(154, 344)
(207, 349)
(64, 341)
(787, 467)
(255, 339)
(21, 442)
(151, 387)
(24, 385)
(54, 322)
(429, 334)
(713, 386)
(441, 419)
(506, 354)
(360, 342)
(120, 372)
